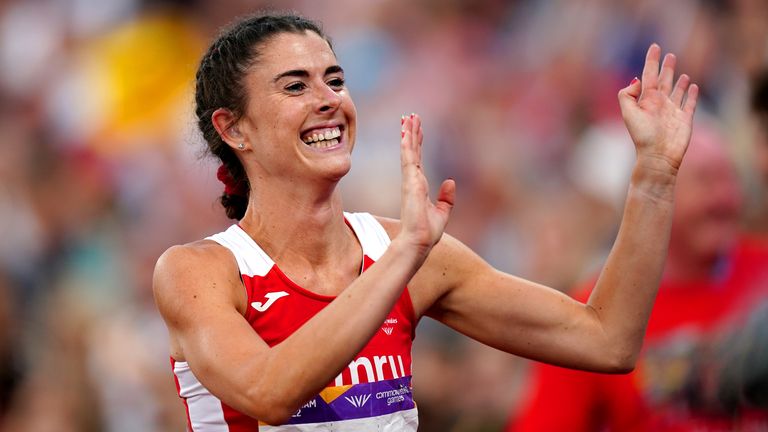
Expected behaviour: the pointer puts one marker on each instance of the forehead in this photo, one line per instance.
(295, 51)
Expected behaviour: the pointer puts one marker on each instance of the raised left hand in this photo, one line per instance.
(658, 116)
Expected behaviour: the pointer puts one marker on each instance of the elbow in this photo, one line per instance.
(269, 396)
(276, 417)
(621, 368)
(268, 407)
(621, 361)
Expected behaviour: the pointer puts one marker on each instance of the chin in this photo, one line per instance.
(338, 172)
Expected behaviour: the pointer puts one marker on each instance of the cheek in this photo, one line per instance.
(348, 105)
(350, 112)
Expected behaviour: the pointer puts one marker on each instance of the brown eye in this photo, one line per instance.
(336, 83)
(295, 87)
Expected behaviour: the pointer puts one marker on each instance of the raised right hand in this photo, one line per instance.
(422, 221)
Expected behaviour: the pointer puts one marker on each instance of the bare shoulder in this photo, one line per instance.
(199, 258)
(201, 270)
(207, 253)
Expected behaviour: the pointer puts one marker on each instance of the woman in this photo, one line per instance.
(299, 315)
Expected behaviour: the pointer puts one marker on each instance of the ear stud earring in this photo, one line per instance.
(241, 146)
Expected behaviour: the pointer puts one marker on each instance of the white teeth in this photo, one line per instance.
(326, 135)
(324, 143)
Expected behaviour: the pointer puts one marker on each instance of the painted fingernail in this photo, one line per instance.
(402, 120)
(634, 80)
(413, 114)
(402, 134)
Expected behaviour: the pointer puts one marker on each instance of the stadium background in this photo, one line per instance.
(101, 169)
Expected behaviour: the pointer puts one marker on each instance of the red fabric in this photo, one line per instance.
(237, 421)
(388, 353)
(289, 313)
(691, 313)
(568, 400)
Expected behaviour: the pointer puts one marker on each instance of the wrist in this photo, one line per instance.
(655, 177)
(408, 252)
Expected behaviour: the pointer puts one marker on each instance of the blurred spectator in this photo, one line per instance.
(705, 360)
(760, 109)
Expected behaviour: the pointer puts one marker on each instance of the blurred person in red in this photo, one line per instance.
(701, 367)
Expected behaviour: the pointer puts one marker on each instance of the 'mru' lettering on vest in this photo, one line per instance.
(373, 371)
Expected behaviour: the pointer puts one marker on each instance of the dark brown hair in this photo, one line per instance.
(760, 97)
(219, 83)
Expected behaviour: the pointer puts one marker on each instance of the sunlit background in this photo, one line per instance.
(102, 169)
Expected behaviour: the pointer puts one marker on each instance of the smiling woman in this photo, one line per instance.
(235, 100)
(301, 316)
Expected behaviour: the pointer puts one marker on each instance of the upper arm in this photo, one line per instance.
(498, 309)
(458, 288)
(200, 296)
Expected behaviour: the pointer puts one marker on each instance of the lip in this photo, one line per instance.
(327, 125)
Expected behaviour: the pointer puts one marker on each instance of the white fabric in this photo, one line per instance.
(402, 421)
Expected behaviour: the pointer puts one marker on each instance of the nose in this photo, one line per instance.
(329, 100)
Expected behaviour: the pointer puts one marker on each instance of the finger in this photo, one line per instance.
(690, 102)
(667, 75)
(418, 136)
(446, 196)
(629, 94)
(679, 91)
(651, 69)
(406, 148)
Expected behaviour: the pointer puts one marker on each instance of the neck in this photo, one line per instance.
(298, 223)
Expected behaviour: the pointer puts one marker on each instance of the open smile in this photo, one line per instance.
(323, 138)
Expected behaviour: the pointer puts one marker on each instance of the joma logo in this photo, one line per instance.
(271, 299)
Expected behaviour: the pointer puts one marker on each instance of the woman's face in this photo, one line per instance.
(300, 120)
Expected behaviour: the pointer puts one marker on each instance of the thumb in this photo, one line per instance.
(446, 196)
(629, 95)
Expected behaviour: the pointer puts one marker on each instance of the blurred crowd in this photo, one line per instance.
(102, 169)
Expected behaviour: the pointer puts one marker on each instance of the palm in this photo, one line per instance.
(422, 221)
(657, 114)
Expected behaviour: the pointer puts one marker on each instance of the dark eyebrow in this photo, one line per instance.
(301, 73)
(334, 69)
(291, 73)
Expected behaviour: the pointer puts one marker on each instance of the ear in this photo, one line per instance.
(227, 127)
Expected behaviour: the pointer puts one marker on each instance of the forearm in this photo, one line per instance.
(624, 295)
(323, 346)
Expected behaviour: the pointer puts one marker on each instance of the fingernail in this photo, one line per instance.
(402, 134)
(634, 80)
(402, 120)
(413, 114)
